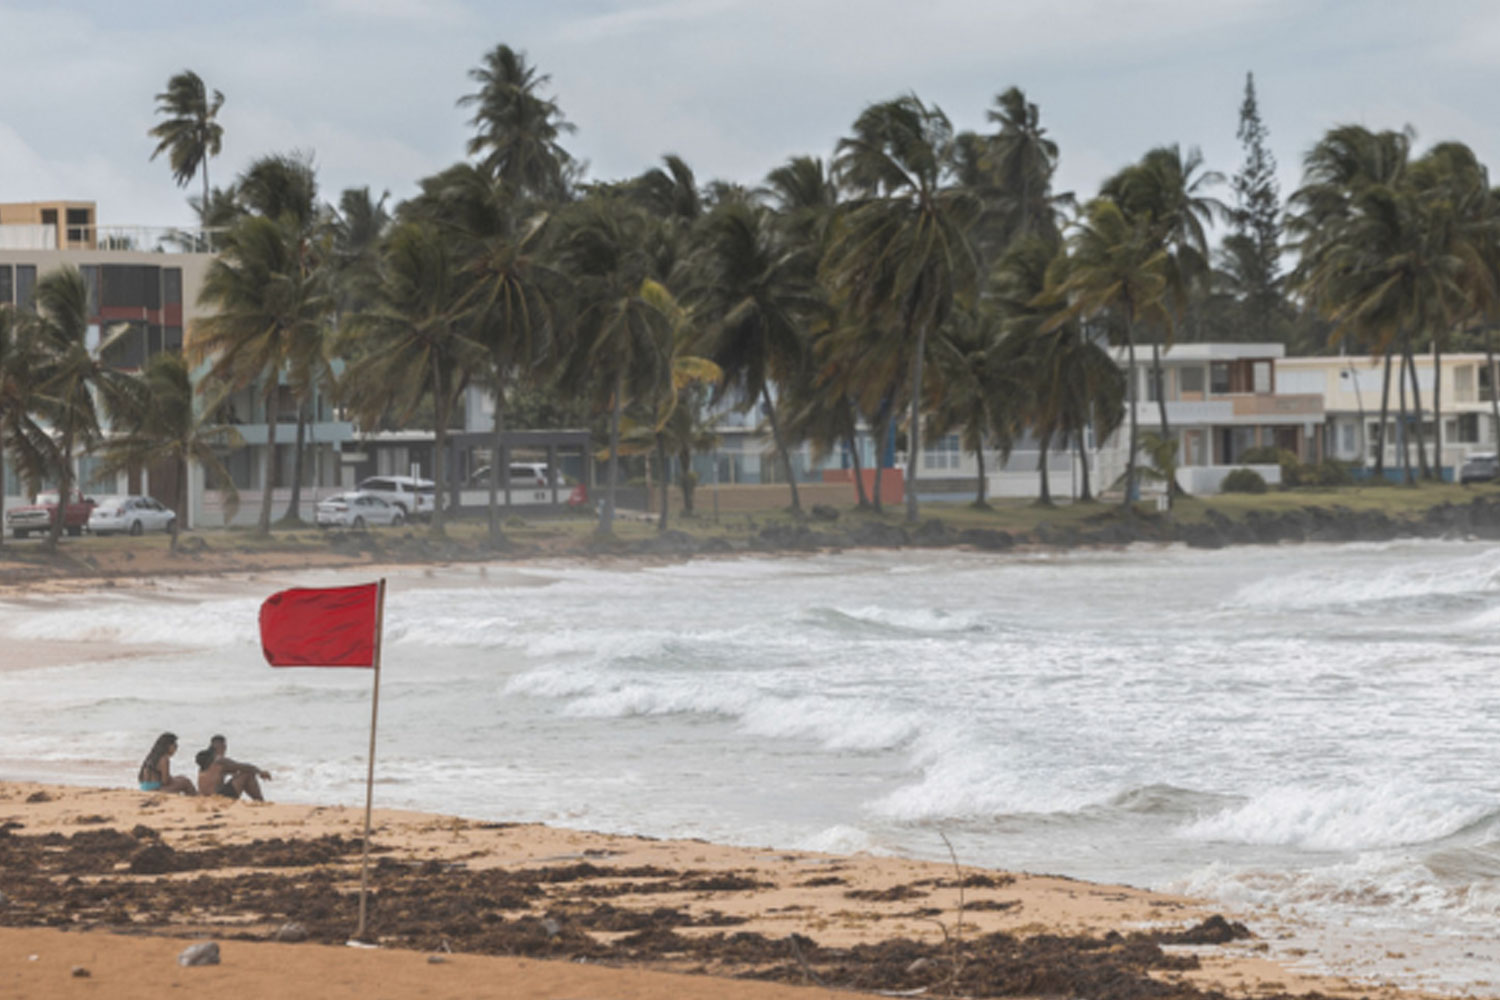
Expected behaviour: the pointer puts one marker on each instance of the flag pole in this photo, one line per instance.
(364, 861)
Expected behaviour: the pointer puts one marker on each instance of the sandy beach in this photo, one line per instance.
(103, 888)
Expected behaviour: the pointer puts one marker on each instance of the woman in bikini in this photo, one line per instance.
(156, 769)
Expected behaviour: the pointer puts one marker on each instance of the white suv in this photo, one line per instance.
(415, 497)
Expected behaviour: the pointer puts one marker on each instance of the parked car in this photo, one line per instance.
(130, 514)
(357, 511)
(1480, 469)
(523, 476)
(38, 516)
(414, 497)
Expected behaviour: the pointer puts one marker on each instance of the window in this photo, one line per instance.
(90, 273)
(79, 224)
(7, 285)
(1346, 439)
(1190, 379)
(1468, 428)
(1154, 381)
(171, 286)
(942, 453)
(1218, 377)
(1261, 371)
(25, 286)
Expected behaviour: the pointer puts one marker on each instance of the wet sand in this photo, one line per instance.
(119, 882)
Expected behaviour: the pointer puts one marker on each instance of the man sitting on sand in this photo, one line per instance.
(218, 775)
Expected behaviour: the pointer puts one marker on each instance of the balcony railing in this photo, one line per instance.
(149, 239)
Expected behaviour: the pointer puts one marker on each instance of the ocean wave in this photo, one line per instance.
(1472, 577)
(1340, 817)
(214, 624)
(878, 620)
(762, 711)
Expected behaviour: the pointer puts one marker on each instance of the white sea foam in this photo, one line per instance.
(1343, 817)
(1354, 584)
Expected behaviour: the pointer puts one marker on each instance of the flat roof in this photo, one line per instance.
(1211, 351)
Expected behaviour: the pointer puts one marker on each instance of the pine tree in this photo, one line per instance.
(1253, 251)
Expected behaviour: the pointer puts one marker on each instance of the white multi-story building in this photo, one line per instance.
(148, 279)
(1352, 387)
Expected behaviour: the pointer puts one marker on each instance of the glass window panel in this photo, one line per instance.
(25, 285)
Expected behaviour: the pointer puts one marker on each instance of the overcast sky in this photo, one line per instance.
(733, 86)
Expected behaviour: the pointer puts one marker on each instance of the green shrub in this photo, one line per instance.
(1332, 473)
(1244, 481)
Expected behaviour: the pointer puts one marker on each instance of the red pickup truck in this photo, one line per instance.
(38, 516)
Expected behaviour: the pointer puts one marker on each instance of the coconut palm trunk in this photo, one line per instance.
(1416, 404)
(442, 404)
(64, 489)
(786, 458)
(1085, 494)
(859, 474)
(885, 435)
(607, 519)
(914, 432)
(268, 481)
(687, 482)
(1489, 354)
(1130, 394)
(1385, 417)
(981, 497)
(1045, 496)
(1401, 425)
(1437, 406)
(182, 499)
(294, 508)
(497, 440)
(666, 481)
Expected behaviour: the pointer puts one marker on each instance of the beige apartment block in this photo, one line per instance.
(49, 225)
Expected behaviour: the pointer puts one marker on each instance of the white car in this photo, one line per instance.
(414, 497)
(357, 511)
(131, 515)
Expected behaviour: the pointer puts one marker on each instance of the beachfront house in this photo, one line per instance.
(1222, 400)
(1352, 386)
(147, 278)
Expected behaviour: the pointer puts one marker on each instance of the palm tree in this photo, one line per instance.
(514, 298)
(22, 435)
(1166, 192)
(1349, 173)
(903, 258)
(516, 129)
(1022, 160)
(1114, 264)
(975, 396)
(268, 303)
(754, 295)
(159, 422)
(411, 341)
(191, 134)
(622, 325)
(73, 380)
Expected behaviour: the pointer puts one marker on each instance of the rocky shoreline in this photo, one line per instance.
(1479, 518)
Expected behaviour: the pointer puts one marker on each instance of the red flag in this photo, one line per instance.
(320, 627)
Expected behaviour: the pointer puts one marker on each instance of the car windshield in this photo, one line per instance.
(46, 498)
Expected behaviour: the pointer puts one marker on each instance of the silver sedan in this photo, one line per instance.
(133, 515)
(357, 511)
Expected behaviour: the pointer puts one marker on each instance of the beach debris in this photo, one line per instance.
(204, 953)
(3, 899)
(143, 832)
(436, 959)
(36, 797)
(153, 859)
(79, 972)
(1214, 930)
(291, 933)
